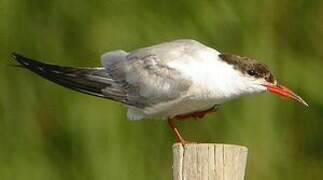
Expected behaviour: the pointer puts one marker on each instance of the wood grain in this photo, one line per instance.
(209, 162)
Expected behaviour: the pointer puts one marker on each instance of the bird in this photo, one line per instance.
(175, 81)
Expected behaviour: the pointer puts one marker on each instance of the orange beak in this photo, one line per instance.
(284, 92)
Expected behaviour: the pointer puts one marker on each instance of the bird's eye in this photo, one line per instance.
(251, 72)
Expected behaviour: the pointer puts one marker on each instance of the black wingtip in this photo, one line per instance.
(86, 80)
(15, 56)
(26, 62)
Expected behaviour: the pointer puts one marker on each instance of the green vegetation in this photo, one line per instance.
(48, 132)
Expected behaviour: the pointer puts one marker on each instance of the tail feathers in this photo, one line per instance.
(92, 81)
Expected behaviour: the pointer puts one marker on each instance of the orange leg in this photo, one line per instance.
(172, 122)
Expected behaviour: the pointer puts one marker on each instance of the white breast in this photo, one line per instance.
(206, 72)
(213, 81)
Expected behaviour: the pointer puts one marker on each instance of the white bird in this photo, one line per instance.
(174, 80)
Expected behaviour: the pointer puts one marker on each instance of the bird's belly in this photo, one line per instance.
(180, 107)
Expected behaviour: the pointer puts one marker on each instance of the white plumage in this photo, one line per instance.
(184, 76)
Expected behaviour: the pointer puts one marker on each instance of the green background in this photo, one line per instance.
(48, 132)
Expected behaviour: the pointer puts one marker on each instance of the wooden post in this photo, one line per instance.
(209, 162)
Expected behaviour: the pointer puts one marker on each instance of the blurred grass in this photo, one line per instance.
(47, 132)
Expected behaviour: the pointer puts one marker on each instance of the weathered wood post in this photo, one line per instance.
(209, 162)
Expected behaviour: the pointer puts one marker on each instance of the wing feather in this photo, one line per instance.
(145, 74)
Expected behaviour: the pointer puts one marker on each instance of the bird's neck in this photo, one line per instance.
(225, 83)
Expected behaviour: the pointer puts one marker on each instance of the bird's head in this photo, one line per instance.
(256, 77)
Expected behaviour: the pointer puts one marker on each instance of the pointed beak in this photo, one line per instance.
(284, 92)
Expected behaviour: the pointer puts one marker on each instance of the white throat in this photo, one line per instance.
(228, 83)
(216, 80)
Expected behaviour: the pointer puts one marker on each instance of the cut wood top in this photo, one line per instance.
(206, 161)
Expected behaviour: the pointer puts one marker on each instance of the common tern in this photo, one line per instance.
(175, 80)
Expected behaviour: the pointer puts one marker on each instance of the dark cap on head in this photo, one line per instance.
(249, 66)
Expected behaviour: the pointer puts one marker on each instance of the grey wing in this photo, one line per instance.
(145, 76)
(152, 82)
